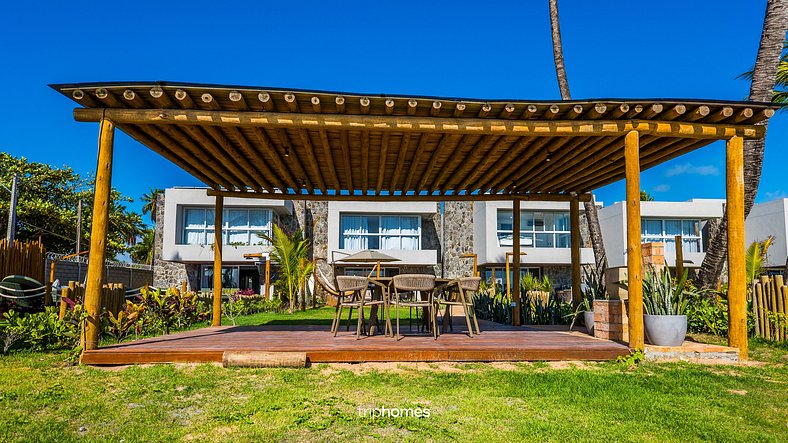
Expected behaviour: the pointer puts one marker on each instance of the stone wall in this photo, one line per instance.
(168, 273)
(560, 276)
(458, 238)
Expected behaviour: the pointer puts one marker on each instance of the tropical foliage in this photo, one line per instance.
(142, 252)
(291, 255)
(149, 202)
(780, 94)
(646, 197)
(538, 305)
(665, 295)
(47, 207)
(756, 257)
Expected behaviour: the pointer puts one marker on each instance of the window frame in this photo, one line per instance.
(207, 228)
(380, 234)
(666, 239)
(531, 234)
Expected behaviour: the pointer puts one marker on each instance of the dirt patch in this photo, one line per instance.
(737, 391)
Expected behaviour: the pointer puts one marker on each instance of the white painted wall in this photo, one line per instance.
(485, 237)
(335, 209)
(765, 219)
(613, 221)
(176, 199)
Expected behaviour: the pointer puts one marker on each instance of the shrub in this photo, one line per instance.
(170, 309)
(44, 330)
(491, 303)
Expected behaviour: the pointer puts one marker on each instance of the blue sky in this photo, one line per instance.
(665, 49)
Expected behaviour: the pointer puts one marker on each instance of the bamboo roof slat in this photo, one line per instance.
(259, 141)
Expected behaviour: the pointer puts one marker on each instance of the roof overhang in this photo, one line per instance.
(313, 145)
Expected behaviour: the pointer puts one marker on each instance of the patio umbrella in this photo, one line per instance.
(369, 256)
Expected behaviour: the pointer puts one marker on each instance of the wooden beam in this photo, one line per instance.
(98, 236)
(634, 254)
(402, 154)
(384, 151)
(441, 149)
(328, 157)
(542, 128)
(679, 256)
(574, 221)
(345, 146)
(273, 154)
(218, 225)
(737, 279)
(488, 158)
(365, 162)
(402, 197)
(456, 155)
(516, 263)
(474, 157)
(415, 163)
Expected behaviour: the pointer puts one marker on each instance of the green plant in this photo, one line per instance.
(120, 325)
(291, 254)
(664, 295)
(707, 313)
(594, 290)
(755, 258)
(45, 330)
(634, 358)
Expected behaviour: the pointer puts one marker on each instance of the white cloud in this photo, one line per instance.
(689, 168)
(661, 188)
(769, 196)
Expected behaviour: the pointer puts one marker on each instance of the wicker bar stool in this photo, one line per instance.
(410, 291)
(358, 286)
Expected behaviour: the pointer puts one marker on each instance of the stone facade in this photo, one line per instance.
(458, 238)
(168, 273)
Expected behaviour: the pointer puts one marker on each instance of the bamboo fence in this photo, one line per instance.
(22, 258)
(113, 297)
(770, 308)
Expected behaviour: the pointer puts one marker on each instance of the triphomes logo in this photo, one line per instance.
(382, 411)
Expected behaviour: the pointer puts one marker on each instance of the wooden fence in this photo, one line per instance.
(770, 308)
(113, 297)
(22, 258)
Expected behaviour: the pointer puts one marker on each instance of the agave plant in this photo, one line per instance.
(594, 290)
(664, 295)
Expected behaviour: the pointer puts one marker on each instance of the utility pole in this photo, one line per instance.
(11, 233)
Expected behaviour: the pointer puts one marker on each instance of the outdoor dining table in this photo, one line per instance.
(377, 294)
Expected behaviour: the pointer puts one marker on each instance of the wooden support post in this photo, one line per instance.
(634, 253)
(184, 287)
(267, 277)
(217, 260)
(48, 298)
(679, 256)
(574, 220)
(516, 261)
(737, 284)
(98, 236)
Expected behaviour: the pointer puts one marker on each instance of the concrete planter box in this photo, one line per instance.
(665, 330)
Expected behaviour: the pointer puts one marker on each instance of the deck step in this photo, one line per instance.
(261, 359)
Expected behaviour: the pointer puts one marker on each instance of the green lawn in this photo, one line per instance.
(41, 399)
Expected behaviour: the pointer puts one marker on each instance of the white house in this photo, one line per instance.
(661, 222)
(544, 238)
(187, 231)
(765, 219)
(405, 231)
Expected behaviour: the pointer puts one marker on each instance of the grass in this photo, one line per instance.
(41, 399)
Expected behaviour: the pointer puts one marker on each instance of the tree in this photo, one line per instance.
(47, 207)
(149, 200)
(592, 216)
(142, 252)
(291, 255)
(756, 257)
(780, 93)
(646, 197)
(764, 78)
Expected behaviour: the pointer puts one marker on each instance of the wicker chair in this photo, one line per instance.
(459, 292)
(406, 288)
(358, 287)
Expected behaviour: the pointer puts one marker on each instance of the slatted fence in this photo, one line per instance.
(113, 297)
(770, 308)
(22, 258)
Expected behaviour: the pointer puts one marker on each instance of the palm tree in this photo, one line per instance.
(289, 253)
(645, 196)
(592, 217)
(142, 251)
(755, 258)
(149, 199)
(780, 93)
(764, 77)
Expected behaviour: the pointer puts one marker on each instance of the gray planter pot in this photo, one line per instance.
(665, 330)
(588, 318)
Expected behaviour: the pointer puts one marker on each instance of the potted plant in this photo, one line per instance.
(664, 303)
(594, 290)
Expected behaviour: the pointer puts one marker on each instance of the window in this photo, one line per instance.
(380, 232)
(666, 230)
(243, 227)
(230, 278)
(537, 229)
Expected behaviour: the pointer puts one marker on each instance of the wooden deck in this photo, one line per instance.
(494, 344)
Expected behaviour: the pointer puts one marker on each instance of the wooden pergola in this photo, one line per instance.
(312, 145)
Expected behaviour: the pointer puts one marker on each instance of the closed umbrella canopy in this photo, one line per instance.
(368, 256)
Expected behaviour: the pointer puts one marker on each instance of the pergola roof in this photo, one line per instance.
(264, 142)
